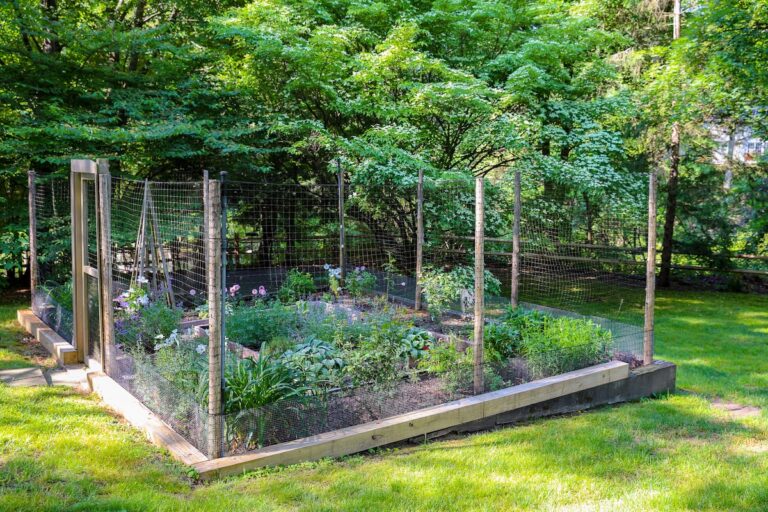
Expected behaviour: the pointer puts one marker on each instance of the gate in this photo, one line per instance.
(91, 273)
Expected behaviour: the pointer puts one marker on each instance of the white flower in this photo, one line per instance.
(402, 284)
(193, 292)
(200, 349)
(142, 280)
(327, 266)
(143, 300)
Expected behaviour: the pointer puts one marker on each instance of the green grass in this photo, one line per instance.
(61, 451)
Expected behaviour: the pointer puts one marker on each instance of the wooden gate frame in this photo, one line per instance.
(98, 171)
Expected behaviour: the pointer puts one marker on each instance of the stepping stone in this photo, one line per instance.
(73, 376)
(22, 377)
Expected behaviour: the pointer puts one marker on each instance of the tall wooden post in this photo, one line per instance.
(215, 305)
(342, 239)
(515, 279)
(33, 268)
(104, 223)
(650, 272)
(478, 356)
(419, 238)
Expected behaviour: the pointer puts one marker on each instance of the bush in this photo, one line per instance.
(444, 289)
(564, 344)
(253, 325)
(297, 285)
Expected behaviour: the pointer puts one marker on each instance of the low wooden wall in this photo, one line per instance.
(442, 418)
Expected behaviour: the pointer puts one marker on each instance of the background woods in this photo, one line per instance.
(583, 95)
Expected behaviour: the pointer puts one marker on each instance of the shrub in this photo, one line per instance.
(297, 285)
(444, 289)
(564, 344)
(255, 324)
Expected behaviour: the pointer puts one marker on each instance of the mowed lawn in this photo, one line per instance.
(62, 451)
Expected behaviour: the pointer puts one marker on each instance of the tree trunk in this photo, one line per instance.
(671, 209)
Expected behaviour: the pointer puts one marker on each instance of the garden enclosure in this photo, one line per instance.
(247, 314)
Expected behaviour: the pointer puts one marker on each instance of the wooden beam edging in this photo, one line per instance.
(424, 421)
(61, 350)
(137, 414)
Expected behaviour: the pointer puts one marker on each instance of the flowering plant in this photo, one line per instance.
(334, 279)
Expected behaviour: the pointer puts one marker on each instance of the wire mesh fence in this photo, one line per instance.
(320, 329)
(52, 300)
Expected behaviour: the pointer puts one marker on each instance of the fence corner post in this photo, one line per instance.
(515, 277)
(479, 320)
(104, 223)
(342, 234)
(419, 239)
(215, 303)
(650, 272)
(32, 262)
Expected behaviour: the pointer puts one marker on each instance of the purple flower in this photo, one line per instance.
(254, 292)
(193, 292)
(234, 289)
(262, 291)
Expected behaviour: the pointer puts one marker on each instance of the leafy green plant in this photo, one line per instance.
(360, 282)
(565, 344)
(444, 289)
(416, 343)
(251, 325)
(297, 285)
(378, 359)
(316, 362)
(503, 338)
(251, 384)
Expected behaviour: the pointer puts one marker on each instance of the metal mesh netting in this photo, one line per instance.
(52, 302)
(338, 311)
(159, 290)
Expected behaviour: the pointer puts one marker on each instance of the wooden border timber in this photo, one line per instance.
(405, 426)
(129, 407)
(114, 395)
(59, 348)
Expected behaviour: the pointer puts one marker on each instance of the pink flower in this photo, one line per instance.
(234, 289)
(193, 292)
(262, 291)
(254, 292)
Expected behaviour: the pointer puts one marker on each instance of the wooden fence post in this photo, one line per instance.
(478, 356)
(342, 237)
(650, 272)
(215, 304)
(104, 223)
(515, 281)
(419, 238)
(33, 268)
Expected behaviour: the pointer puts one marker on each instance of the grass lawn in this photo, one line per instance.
(61, 451)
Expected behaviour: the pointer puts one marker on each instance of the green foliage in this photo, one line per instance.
(146, 327)
(297, 285)
(251, 325)
(316, 363)
(564, 344)
(185, 366)
(250, 384)
(444, 289)
(360, 282)
(378, 360)
(416, 343)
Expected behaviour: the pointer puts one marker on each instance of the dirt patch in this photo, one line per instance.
(736, 411)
